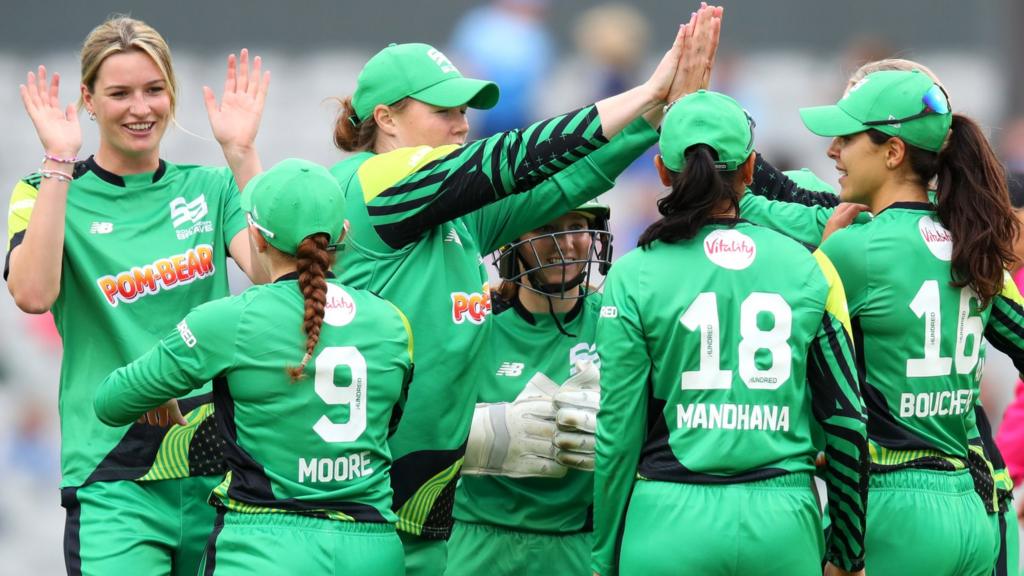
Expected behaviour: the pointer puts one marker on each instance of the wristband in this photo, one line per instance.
(60, 176)
(58, 159)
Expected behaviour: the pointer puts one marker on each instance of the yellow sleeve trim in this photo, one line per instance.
(836, 302)
(23, 199)
(385, 170)
(1010, 290)
(408, 328)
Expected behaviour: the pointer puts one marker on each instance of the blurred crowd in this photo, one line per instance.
(509, 42)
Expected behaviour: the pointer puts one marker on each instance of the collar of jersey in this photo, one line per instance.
(525, 314)
(922, 206)
(295, 276)
(116, 180)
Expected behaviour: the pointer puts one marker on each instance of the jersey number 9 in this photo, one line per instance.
(354, 394)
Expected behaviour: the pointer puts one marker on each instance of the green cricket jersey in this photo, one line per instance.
(421, 219)
(139, 252)
(316, 446)
(918, 338)
(520, 345)
(715, 352)
(773, 191)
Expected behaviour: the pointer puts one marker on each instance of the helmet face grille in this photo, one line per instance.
(544, 264)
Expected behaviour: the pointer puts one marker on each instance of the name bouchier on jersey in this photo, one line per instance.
(163, 274)
(473, 307)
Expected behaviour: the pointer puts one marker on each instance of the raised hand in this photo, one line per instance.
(663, 77)
(697, 56)
(57, 126)
(236, 119)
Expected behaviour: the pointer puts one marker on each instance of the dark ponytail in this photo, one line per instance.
(352, 134)
(314, 261)
(973, 202)
(697, 193)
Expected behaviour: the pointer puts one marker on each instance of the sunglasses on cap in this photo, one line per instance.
(935, 100)
(254, 224)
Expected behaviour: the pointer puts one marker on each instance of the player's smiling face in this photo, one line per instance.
(421, 124)
(553, 251)
(132, 105)
(861, 166)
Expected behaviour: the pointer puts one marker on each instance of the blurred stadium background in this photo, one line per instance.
(548, 56)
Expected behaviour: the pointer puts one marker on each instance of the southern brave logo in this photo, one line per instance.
(185, 212)
(101, 228)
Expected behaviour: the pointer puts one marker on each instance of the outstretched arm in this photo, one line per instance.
(37, 212)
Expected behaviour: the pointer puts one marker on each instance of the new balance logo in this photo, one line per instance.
(453, 237)
(183, 211)
(510, 369)
(101, 228)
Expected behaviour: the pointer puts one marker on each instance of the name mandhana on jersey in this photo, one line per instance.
(733, 417)
(163, 274)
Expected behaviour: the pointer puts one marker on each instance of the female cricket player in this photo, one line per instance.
(118, 245)
(720, 341)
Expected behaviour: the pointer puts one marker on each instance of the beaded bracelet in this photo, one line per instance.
(58, 159)
(60, 176)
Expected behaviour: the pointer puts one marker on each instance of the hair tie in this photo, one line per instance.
(354, 120)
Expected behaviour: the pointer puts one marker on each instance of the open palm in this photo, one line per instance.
(236, 119)
(56, 125)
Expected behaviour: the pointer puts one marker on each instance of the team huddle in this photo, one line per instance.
(373, 405)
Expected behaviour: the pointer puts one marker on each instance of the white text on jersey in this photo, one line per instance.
(942, 403)
(733, 416)
(335, 469)
(101, 228)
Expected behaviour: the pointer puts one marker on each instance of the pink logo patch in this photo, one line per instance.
(730, 249)
(938, 240)
(340, 308)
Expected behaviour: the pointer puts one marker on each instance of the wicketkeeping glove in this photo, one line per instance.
(577, 402)
(516, 439)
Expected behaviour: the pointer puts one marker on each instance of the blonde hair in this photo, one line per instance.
(891, 64)
(121, 34)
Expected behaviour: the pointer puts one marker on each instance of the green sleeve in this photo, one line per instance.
(802, 223)
(839, 408)
(1005, 329)
(625, 371)
(200, 347)
(502, 222)
(409, 191)
(847, 250)
(234, 218)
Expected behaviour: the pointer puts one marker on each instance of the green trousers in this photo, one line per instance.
(494, 551)
(927, 523)
(155, 528)
(290, 544)
(423, 557)
(767, 527)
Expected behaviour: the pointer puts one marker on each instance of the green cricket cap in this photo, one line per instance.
(710, 118)
(906, 104)
(808, 180)
(293, 200)
(422, 72)
(593, 209)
